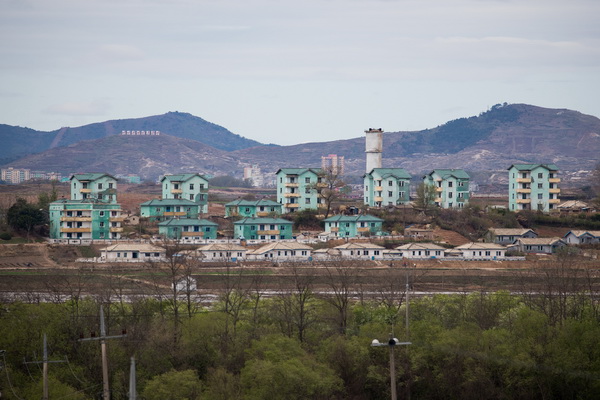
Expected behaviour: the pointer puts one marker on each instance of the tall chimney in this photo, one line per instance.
(373, 148)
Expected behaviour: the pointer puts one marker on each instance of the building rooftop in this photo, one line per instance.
(399, 173)
(180, 177)
(353, 218)
(539, 241)
(359, 246)
(142, 247)
(257, 203)
(169, 202)
(447, 173)
(299, 171)
(509, 231)
(187, 222)
(90, 176)
(265, 221)
(480, 246)
(420, 246)
(222, 247)
(280, 246)
(529, 167)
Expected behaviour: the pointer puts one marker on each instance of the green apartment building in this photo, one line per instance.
(451, 185)
(250, 208)
(92, 212)
(190, 187)
(533, 187)
(188, 228)
(386, 187)
(298, 189)
(353, 226)
(263, 229)
(163, 209)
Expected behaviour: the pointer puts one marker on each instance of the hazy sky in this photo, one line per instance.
(290, 72)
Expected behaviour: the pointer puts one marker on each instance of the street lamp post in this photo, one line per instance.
(393, 342)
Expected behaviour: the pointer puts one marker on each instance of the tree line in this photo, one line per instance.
(541, 341)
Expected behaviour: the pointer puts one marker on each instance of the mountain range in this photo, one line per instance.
(484, 145)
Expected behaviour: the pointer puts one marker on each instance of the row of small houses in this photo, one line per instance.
(294, 251)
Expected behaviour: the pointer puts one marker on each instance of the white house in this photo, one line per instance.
(326, 254)
(420, 251)
(539, 245)
(222, 252)
(482, 251)
(361, 251)
(582, 237)
(508, 235)
(133, 252)
(282, 251)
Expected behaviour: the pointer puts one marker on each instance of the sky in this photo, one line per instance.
(289, 72)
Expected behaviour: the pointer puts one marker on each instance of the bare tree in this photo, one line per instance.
(330, 187)
(426, 195)
(342, 277)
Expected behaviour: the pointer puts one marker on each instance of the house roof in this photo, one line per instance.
(280, 246)
(447, 173)
(265, 221)
(359, 246)
(222, 247)
(580, 233)
(90, 176)
(509, 231)
(256, 203)
(180, 177)
(420, 246)
(353, 218)
(398, 173)
(298, 171)
(573, 204)
(530, 167)
(540, 241)
(142, 247)
(169, 202)
(480, 246)
(187, 222)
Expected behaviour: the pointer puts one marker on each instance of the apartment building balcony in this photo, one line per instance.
(554, 190)
(554, 180)
(378, 199)
(523, 180)
(116, 229)
(269, 232)
(76, 219)
(191, 234)
(437, 200)
(174, 213)
(85, 190)
(292, 205)
(290, 184)
(523, 190)
(363, 229)
(523, 201)
(334, 229)
(76, 230)
(378, 188)
(176, 191)
(291, 195)
(116, 219)
(439, 189)
(321, 185)
(554, 201)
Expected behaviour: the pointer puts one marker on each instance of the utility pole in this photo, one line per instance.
(45, 363)
(102, 338)
(132, 382)
(393, 342)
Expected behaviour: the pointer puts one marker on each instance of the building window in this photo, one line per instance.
(306, 180)
(102, 213)
(540, 175)
(390, 183)
(191, 197)
(110, 185)
(99, 186)
(191, 186)
(307, 200)
(540, 185)
(390, 194)
(450, 184)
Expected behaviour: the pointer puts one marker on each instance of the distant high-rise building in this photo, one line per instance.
(333, 163)
(254, 174)
(14, 175)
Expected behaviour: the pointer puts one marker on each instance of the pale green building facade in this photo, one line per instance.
(386, 187)
(349, 226)
(91, 213)
(252, 208)
(451, 185)
(190, 187)
(533, 187)
(298, 189)
(188, 228)
(263, 229)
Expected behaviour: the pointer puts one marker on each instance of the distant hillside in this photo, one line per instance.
(484, 145)
(148, 156)
(18, 142)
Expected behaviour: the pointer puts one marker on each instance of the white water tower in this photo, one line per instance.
(373, 148)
